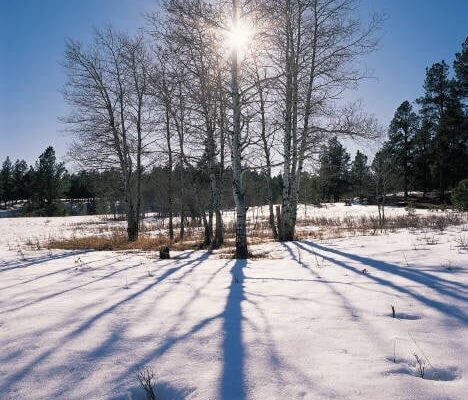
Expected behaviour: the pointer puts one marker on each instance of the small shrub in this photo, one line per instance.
(421, 365)
(21, 254)
(462, 242)
(411, 217)
(430, 240)
(146, 377)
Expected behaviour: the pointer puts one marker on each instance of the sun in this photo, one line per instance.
(239, 37)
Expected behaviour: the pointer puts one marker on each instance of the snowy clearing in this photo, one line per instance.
(313, 320)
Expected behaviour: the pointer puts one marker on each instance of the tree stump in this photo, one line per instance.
(164, 253)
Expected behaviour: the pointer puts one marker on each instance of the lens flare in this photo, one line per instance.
(239, 37)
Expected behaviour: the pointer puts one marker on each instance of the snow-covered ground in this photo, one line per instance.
(311, 320)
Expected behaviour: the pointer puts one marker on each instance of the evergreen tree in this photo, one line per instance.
(402, 131)
(19, 183)
(49, 182)
(423, 156)
(436, 101)
(460, 65)
(457, 118)
(359, 176)
(6, 181)
(334, 170)
(81, 186)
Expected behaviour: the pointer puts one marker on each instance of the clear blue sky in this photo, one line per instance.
(32, 35)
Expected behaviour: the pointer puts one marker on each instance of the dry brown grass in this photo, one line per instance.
(117, 242)
(110, 236)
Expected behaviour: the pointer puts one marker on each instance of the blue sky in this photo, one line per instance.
(32, 35)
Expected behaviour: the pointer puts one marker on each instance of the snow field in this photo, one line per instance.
(310, 320)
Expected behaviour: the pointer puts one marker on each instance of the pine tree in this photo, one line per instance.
(48, 178)
(423, 156)
(6, 181)
(460, 65)
(334, 170)
(18, 176)
(456, 119)
(435, 103)
(454, 128)
(359, 174)
(402, 132)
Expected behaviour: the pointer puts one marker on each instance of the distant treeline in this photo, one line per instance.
(48, 189)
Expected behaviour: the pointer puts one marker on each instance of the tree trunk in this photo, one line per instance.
(442, 185)
(290, 160)
(207, 231)
(133, 225)
(271, 218)
(211, 154)
(236, 150)
(279, 223)
(170, 197)
(182, 200)
(266, 150)
(219, 235)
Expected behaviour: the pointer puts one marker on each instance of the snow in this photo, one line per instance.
(310, 320)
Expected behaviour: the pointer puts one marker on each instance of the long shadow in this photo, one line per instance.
(136, 294)
(278, 365)
(415, 275)
(296, 259)
(232, 384)
(12, 379)
(160, 294)
(185, 307)
(36, 278)
(444, 308)
(52, 295)
(172, 338)
(233, 374)
(5, 266)
(353, 312)
(344, 300)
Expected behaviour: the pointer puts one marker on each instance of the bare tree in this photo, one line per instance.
(236, 143)
(384, 179)
(110, 118)
(194, 48)
(202, 91)
(315, 45)
(263, 86)
(163, 92)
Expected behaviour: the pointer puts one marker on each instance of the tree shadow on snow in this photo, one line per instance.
(33, 261)
(440, 285)
(233, 379)
(113, 338)
(232, 382)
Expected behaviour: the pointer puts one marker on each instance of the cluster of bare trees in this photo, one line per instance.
(227, 85)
